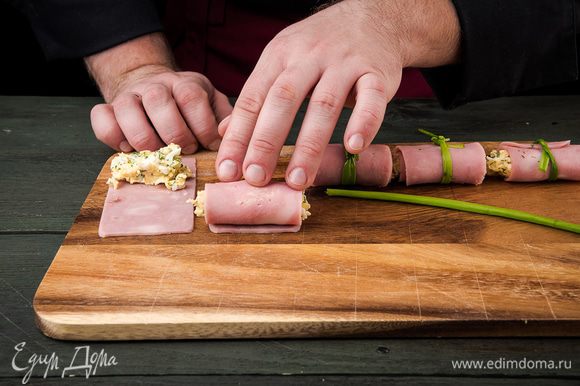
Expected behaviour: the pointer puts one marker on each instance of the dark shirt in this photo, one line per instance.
(508, 46)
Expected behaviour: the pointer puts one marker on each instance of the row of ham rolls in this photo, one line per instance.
(238, 207)
(423, 164)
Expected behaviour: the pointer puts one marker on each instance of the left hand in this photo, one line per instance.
(355, 48)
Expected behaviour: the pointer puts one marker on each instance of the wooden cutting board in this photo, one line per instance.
(357, 268)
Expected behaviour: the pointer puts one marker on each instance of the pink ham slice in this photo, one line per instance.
(238, 207)
(526, 157)
(423, 164)
(373, 168)
(138, 209)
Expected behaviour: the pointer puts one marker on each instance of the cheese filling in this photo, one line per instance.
(163, 166)
(499, 163)
(199, 205)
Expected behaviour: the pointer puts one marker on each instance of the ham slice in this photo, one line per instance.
(373, 168)
(525, 159)
(238, 207)
(138, 209)
(423, 164)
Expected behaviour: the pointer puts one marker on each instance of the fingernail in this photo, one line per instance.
(227, 170)
(356, 142)
(297, 177)
(255, 174)
(190, 149)
(215, 145)
(125, 147)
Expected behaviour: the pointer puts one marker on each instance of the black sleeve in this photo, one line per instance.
(508, 47)
(77, 28)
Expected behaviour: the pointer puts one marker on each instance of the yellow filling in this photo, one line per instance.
(163, 166)
(499, 163)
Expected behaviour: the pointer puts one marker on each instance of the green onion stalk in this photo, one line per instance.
(458, 205)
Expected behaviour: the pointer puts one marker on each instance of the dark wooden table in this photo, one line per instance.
(48, 160)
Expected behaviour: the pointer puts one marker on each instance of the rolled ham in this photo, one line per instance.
(238, 207)
(373, 168)
(423, 164)
(525, 159)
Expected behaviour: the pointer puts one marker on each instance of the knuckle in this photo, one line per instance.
(156, 95)
(284, 93)
(189, 94)
(311, 148)
(205, 132)
(124, 101)
(180, 138)
(235, 142)
(250, 104)
(376, 84)
(277, 44)
(369, 116)
(142, 141)
(264, 145)
(326, 102)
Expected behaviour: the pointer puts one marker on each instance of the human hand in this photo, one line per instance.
(149, 103)
(158, 106)
(353, 48)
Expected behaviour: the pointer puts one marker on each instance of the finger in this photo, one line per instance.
(133, 122)
(221, 105)
(323, 111)
(368, 112)
(166, 118)
(274, 122)
(107, 129)
(243, 119)
(223, 125)
(193, 102)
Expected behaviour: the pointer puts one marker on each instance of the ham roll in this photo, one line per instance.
(423, 164)
(520, 162)
(238, 207)
(373, 168)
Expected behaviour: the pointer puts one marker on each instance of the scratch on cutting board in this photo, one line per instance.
(409, 226)
(538, 277)
(479, 287)
(310, 268)
(356, 288)
(417, 291)
(159, 288)
(220, 303)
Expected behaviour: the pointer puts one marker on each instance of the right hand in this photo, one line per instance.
(154, 105)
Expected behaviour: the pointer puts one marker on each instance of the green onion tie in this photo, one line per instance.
(441, 141)
(349, 169)
(547, 158)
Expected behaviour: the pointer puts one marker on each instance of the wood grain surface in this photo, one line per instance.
(357, 268)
